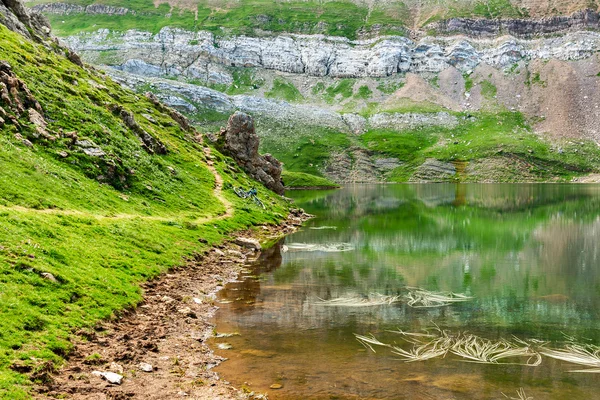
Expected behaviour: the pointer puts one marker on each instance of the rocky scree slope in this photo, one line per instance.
(543, 69)
(101, 190)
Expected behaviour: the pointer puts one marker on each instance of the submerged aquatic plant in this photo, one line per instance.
(420, 351)
(470, 347)
(418, 298)
(521, 394)
(421, 298)
(326, 248)
(370, 341)
(586, 355)
(484, 351)
(358, 301)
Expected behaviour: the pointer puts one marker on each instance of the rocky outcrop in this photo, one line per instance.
(16, 100)
(580, 21)
(150, 143)
(433, 170)
(240, 141)
(185, 97)
(18, 18)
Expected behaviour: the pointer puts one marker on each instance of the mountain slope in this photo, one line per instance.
(398, 91)
(101, 189)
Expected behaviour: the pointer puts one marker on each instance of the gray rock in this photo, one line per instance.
(433, 170)
(405, 121)
(111, 377)
(146, 367)
(169, 52)
(48, 276)
(240, 141)
(387, 164)
(94, 152)
(248, 243)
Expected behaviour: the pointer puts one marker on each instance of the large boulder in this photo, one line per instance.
(240, 141)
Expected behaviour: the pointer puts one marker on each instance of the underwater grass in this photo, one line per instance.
(421, 298)
(356, 301)
(584, 355)
(468, 347)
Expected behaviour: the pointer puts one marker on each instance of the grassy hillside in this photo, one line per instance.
(98, 225)
(337, 17)
(482, 140)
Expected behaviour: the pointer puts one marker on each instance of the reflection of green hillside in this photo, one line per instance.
(528, 253)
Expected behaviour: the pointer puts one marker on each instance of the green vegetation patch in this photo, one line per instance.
(364, 92)
(302, 149)
(284, 90)
(488, 90)
(302, 180)
(389, 87)
(341, 89)
(485, 136)
(244, 81)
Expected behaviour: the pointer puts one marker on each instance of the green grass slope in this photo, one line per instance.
(99, 225)
(300, 180)
(336, 18)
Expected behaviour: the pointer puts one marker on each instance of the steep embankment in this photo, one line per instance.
(455, 87)
(101, 190)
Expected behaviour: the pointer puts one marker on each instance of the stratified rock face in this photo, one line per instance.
(579, 21)
(169, 53)
(433, 170)
(241, 142)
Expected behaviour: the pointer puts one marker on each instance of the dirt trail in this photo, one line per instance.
(217, 192)
(168, 331)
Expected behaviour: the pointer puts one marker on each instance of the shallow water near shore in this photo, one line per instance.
(527, 256)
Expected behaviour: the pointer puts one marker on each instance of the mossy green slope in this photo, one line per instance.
(99, 225)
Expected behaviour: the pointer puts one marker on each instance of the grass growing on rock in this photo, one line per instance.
(99, 225)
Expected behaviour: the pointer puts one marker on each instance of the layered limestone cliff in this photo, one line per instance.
(201, 55)
(545, 68)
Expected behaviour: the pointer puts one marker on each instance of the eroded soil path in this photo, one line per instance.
(160, 348)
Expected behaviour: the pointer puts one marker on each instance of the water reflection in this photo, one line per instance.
(528, 254)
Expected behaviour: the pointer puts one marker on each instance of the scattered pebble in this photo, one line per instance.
(146, 367)
(111, 377)
(187, 312)
(48, 276)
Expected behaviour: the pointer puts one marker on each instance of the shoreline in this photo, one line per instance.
(168, 331)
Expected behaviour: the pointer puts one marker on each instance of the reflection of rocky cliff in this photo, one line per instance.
(537, 265)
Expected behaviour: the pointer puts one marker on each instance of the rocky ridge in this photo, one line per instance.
(186, 96)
